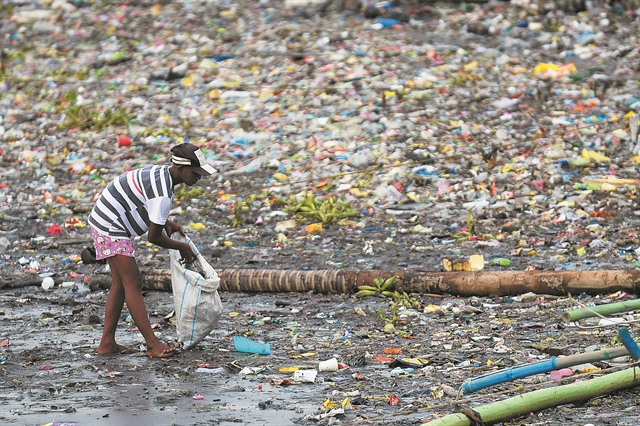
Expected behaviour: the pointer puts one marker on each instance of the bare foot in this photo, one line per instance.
(160, 350)
(106, 349)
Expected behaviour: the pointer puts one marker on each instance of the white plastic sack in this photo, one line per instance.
(195, 294)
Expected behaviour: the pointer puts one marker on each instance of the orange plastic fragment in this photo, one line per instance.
(314, 227)
(381, 359)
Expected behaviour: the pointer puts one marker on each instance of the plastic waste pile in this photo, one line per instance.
(420, 121)
(415, 137)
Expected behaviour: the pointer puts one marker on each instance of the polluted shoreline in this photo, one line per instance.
(483, 154)
(401, 365)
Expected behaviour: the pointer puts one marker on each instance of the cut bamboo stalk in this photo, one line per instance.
(554, 363)
(610, 308)
(545, 398)
(481, 283)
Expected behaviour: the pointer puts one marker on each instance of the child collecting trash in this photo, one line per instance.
(134, 203)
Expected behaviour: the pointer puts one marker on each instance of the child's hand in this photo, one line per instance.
(187, 255)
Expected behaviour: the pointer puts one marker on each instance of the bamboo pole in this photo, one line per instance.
(610, 308)
(554, 363)
(544, 398)
(481, 283)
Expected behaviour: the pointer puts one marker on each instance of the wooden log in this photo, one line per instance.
(26, 282)
(481, 283)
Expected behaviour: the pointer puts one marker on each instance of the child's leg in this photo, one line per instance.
(128, 274)
(113, 309)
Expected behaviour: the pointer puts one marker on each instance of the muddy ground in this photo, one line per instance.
(51, 372)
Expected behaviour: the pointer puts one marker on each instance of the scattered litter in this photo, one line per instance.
(462, 138)
(242, 344)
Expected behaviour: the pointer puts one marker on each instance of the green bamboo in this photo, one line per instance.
(611, 308)
(545, 398)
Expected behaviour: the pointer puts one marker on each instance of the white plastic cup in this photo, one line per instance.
(305, 376)
(47, 283)
(328, 365)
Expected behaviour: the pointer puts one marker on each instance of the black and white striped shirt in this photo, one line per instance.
(133, 200)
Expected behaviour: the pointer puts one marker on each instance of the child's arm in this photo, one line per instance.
(170, 227)
(157, 237)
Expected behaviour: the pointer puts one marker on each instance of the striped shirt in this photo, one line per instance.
(133, 200)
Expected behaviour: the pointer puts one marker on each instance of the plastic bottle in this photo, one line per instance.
(501, 261)
(587, 186)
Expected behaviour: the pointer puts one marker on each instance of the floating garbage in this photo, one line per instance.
(328, 365)
(305, 376)
(424, 135)
(47, 283)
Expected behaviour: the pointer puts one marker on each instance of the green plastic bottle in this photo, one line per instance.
(587, 186)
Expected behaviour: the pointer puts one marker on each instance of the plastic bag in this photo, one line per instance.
(195, 294)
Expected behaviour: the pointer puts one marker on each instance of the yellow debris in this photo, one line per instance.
(610, 180)
(389, 328)
(280, 177)
(329, 404)
(471, 65)
(314, 227)
(595, 156)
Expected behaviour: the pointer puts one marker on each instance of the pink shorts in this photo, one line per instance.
(107, 246)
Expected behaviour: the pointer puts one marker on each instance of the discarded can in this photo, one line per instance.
(501, 261)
